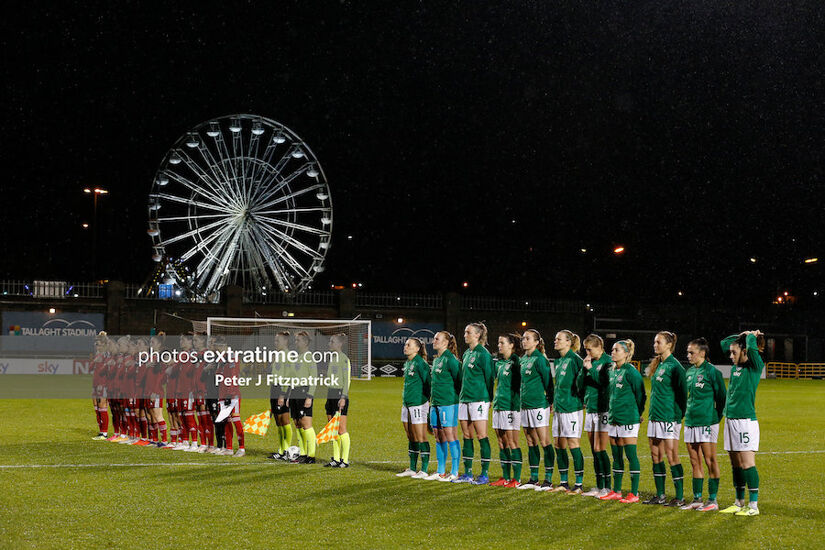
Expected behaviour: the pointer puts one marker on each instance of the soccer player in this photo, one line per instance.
(596, 378)
(477, 380)
(567, 404)
(97, 366)
(415, 407)
(668, 400)
(339, 369)
(741, 426)
(627, 402)
(536, 395)
(230, 395)
(278, 404)
(301, 398)
(506, 409)
(154, 390)
(201, 418)
(446, 385)
(705, 405)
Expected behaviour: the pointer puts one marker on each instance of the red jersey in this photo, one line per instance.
(232, 390)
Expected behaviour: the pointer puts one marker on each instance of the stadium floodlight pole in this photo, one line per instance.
(95, 192)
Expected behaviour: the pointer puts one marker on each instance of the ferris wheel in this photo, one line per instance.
(241, 200)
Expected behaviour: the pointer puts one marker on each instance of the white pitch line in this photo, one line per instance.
(244, 463)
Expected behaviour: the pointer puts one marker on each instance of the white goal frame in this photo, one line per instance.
(298, 322)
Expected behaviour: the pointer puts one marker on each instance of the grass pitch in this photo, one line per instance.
(60, 489)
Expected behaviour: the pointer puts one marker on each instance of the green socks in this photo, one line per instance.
(309, 434)
(336, 450)
(504, 458)
(287, 436)
(739, 484)
(515, 459)
(605, 464)
(549, 455)
(678, 475)
(467, 456)
(659, 474)
(618, 467)
(713, 488)
(635, 469)
(564, 463)
(578, 464)
(533, 457)
(424, 451)
(752, 479)
(344, 447)
(597, 467)
(413, 450)
(302, 445)
(698, 483)
(486, 453)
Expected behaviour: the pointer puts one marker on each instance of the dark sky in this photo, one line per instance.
(691, 135)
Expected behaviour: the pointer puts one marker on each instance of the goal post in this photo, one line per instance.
(258, 332)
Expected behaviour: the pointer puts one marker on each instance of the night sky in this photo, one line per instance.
(461, 141)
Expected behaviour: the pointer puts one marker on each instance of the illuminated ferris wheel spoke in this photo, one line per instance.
(243, 201)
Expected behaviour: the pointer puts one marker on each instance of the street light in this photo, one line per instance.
(96, 192)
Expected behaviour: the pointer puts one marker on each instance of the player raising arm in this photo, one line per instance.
(414, 407)
(741, 426)
(627, 403)
(705, 405)
(596, 379)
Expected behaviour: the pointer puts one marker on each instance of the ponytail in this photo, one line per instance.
(515, 340)
(422, 350)
(629, 347)
(540, 345)
(452, 345)
(480, 329)
(575, 342)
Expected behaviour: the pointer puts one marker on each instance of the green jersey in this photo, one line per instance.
(627, 396)
(706, 395)
(508, 384)
(569, 387)
(307, 369)
(597, 385)
(477, 375)
(340, 373)
(744, 379)
(668, 393)
(416, 382)
(536, 381)
(284, 369)
(446, 379)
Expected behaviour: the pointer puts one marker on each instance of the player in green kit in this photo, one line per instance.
(705, 405)
(477, 380)
(668, 400)
(741, 426)
(627, 403)
(301, 399)
(536, 395)
(278, 404)
(506, 409)
(567, 410)
(446, 385)
(340, 372)
(596, 380)
(415, 407)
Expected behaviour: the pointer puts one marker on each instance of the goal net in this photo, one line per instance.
(259, 333)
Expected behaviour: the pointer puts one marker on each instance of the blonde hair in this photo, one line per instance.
(594, 340)
(575, 341)
(480, 329)
(629, 347)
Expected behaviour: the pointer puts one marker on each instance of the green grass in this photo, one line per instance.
(174, 499)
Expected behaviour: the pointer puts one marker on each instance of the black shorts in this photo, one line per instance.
(278, 410)
(332, 407)
(297, 410)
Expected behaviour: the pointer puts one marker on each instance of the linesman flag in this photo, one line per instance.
(257, 424)
(330, 431)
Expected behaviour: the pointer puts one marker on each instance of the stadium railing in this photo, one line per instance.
(783, 370)
(811, 370)
(319, 298)
(422, 301)
(52, 289)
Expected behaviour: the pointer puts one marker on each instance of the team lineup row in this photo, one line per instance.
(203, 413)
(603, 395)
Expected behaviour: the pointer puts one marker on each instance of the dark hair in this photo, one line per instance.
(422, 349)
(671, 339)
(540, 345)
(515, 340)
(702, 344)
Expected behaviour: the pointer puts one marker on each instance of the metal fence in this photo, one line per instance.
(814, 371)
(422, 301)
(319, 298)
(494, 303)
(52, 289)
